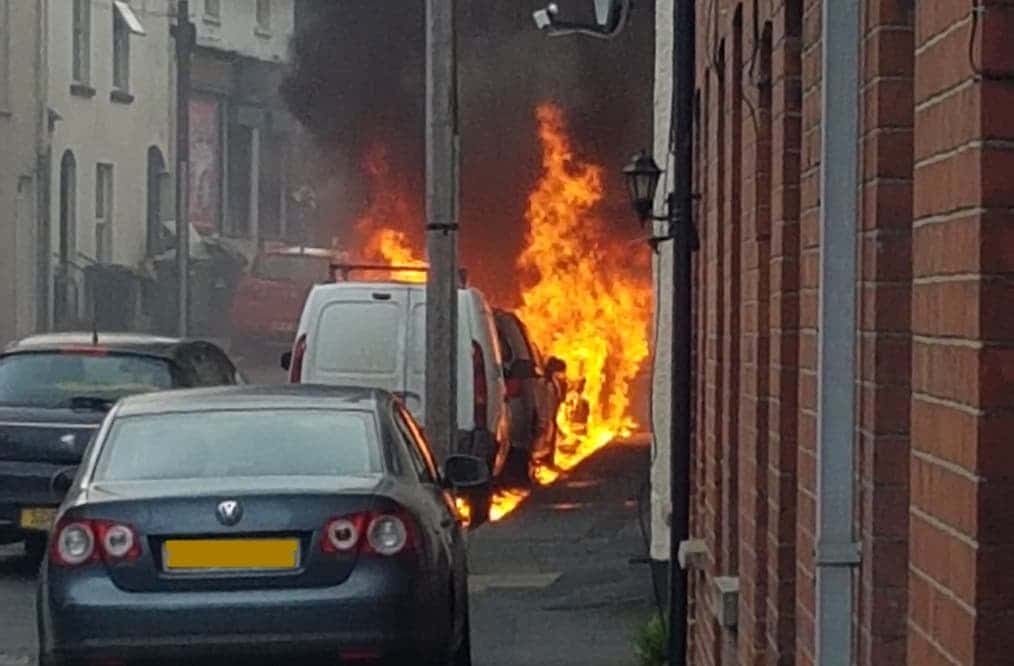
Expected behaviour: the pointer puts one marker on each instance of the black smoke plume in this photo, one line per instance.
(358, 78)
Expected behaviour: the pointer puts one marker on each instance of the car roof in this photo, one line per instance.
(327, 287)
(247, 397)
(115, 342)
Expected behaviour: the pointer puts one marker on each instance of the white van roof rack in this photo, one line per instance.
(341, 271)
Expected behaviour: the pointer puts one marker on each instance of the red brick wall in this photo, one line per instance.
(755, 345)
(961, 579)
(935, 353)
(731, 249)
(884, 343)
(786, 111)
(809, 240)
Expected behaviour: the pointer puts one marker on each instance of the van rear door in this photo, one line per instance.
(359, 338)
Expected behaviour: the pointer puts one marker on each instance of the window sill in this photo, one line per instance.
(82, 90)
(262, 33)
(212, 20)
(121, 97)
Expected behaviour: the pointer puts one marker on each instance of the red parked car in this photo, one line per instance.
(269, 299)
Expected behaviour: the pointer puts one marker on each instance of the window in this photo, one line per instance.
(125, 23)
(68, 207)
(213, 9)
(264, 15)
(422, 464)
(104, 213)
(363, 340)
(53, 379)
(240, 443)
(121, 54)
(82, 41)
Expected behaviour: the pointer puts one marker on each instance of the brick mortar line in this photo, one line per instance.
(882, 283)
(878, 334)
(947, 278)
(887, 27)
(874, 181)
(877, 79)
(946, 93)
(886, 232)
(950, 404)
(935, 584)
(911, 624)
(955, 214)
(934, 340)
(953, 468)
(938, 37)
(881, 435)
(887, 129)
(874, 385)
(968, 146)
(942, 527)
(978, 343)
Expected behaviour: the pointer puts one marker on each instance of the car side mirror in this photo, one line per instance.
(63, 480)
(555, 366)
(463, 472)
(286, 360)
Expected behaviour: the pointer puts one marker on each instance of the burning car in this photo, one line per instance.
(269, 300)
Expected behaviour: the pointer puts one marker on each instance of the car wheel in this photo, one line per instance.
(35, 546)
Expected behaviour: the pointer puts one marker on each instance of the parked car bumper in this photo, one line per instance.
(25, 486)
(84, 618)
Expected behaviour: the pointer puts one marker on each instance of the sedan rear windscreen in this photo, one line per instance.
(240, 443)
(58, 379)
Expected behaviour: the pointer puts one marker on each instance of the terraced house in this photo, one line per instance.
(88, 126)
(852, 476)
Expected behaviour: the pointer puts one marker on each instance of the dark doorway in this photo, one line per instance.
(156, 168)
(64, 285)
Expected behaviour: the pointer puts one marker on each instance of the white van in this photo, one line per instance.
(374, 334)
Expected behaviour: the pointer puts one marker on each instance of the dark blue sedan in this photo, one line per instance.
(279, 523)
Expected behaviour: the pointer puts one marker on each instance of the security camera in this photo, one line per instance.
(544, 17)
(610, 15)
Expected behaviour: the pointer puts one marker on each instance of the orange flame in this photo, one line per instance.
(390, 212)
(586, 304)
(504, 501)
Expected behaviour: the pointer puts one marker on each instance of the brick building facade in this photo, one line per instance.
(934, 365)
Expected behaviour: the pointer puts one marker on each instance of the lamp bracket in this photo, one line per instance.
(442, 226)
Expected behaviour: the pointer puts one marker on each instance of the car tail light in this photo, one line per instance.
(117, 541)
(480, 390)
(383, 534)
(74, 544)
(296, 364)
(79, 542)
(342, 535)
(387, 535)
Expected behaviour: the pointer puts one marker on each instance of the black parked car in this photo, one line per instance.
(54, 392)
(285, 523)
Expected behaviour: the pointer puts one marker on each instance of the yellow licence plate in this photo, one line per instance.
(37, 518)
(236, 554)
